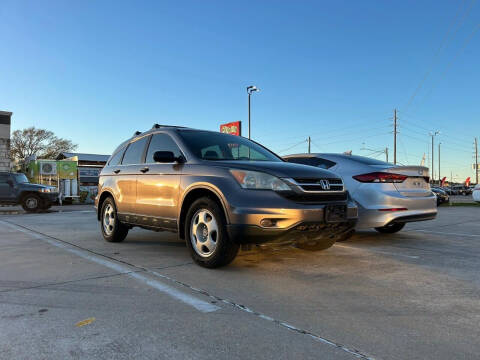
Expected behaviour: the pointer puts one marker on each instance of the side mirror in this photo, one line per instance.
(10, 182)
(166, 157)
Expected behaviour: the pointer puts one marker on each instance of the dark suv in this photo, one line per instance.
(219, 191)
(16, 189)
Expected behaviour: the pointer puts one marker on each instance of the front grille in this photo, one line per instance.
(323, 185)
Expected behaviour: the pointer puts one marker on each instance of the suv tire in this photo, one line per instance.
(390, 228)
(112, 229)
(206, 235)
(31, 203)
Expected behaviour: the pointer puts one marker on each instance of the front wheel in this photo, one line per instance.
(31, 203)
(206, 235)
(390, 228)
(112, 229)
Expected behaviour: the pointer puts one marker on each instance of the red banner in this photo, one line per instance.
(233, 128)
(443, 181)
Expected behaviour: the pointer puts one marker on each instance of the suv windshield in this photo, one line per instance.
(20, 178)
(209, 145)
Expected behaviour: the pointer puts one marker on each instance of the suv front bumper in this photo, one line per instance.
(48, 198)
(247, 225)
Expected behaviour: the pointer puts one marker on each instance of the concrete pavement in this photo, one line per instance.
(411, 295)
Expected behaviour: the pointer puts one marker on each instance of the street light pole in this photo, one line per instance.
(250, 90)
(439, 175)
(433, 135)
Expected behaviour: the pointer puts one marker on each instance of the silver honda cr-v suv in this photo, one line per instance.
(219, 191)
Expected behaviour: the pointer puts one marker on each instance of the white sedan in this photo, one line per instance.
(476, 193)
(388, 196)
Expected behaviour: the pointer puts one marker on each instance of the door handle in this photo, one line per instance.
(144, 170)
(116, 171)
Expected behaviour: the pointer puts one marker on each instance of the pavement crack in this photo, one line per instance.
(68, 281)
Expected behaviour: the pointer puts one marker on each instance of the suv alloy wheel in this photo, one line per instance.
(112, 229)
(31, 203)
(206, 235)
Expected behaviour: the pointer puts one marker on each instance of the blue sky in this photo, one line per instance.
(96, 71)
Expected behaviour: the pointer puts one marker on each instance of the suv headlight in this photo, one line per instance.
(259, 181)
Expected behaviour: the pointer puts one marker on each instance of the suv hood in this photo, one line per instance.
(278, 169)
(35, 187)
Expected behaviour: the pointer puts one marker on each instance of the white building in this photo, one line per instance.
(5, 120)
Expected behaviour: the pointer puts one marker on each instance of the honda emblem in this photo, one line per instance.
(325, 184)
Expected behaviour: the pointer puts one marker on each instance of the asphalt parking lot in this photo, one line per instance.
(67, 294)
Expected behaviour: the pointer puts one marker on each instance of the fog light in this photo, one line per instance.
(268, 222)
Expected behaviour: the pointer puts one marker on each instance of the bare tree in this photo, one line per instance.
(40, 142)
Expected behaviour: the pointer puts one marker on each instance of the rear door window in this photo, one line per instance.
(134, 153)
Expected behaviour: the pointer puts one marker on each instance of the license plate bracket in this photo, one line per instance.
(335, 213)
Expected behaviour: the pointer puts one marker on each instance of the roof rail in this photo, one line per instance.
(137, 133)
(158, 126)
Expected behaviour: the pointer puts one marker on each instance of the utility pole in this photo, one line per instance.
(476, 160)
(433, 135)
(309, 142)
(439, 176)
(377, 152)
(433, 175)
(395, 136)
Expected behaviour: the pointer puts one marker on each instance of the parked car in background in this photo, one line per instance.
(388, 196)
(461, 190)
(448, 190)
(476, 193)
(442, 196)
(16, 189)
(219, 191)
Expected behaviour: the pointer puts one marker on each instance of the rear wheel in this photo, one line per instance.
(112, 229)
(31, 203)
(206, 235)
(390, 228)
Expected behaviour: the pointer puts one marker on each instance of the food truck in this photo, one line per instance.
(75, 175)
(61, 174)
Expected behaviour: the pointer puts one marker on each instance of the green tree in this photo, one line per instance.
(40, 142)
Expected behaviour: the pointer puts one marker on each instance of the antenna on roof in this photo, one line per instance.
(156, 126)
(137, 133)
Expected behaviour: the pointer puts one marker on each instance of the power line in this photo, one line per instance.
(337, 135)
(437, 53)
(449, 65)
(356, 138)
(459, 140)
(291, 147)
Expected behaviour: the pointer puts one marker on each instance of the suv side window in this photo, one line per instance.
(134, 152)
(161, 142)
(116, 158)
